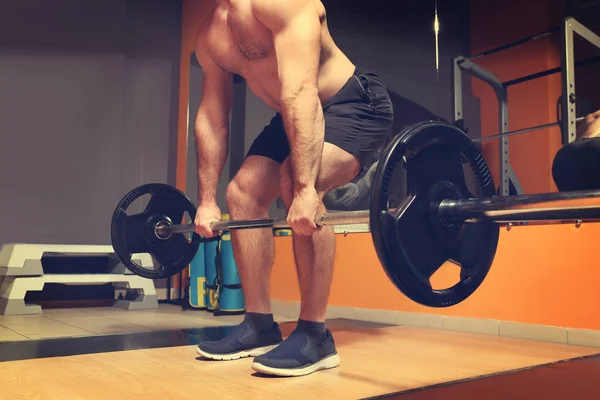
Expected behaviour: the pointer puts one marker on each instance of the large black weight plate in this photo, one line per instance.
(411, 241)
(134, 234)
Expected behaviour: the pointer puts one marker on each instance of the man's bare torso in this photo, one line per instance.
(236, 41)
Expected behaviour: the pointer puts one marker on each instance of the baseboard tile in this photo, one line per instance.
(583, 337)
(280, 308)
(492, 327)
(294, 309)
(472, 325)
(380, 316)
(417, 319)
(541, 333)
(341, 312)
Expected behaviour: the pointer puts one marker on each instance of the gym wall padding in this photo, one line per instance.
(89, 99)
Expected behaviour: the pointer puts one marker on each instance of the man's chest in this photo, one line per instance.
(237, 40)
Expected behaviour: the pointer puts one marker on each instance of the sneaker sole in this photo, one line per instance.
(326, 363)
(259, 351)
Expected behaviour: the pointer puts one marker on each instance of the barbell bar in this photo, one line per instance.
(520, 131)
(439, 219)
(163, 231)
(582, 206)
(552, 208)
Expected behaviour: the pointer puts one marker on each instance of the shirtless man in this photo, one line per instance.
(576, 165)
(589, 127)
(329, 117)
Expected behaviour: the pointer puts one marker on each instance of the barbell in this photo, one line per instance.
(440, 218)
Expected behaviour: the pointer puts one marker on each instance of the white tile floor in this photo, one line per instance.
(72, 322)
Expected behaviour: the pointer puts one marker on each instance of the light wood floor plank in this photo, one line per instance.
(374, 362)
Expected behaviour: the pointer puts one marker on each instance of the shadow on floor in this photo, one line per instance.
(69, 346)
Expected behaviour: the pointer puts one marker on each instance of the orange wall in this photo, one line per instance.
(541, 274)
(531, 103)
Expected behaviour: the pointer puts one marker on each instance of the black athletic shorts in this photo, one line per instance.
(358, 119)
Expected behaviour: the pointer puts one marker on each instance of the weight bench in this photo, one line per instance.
(22, 270)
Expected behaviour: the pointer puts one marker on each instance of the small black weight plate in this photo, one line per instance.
(411, 241)
(134, 234)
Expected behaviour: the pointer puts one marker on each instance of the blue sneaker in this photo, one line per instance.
(298, 355)
(241, 342)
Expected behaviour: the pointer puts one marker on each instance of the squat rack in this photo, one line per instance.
(567, 68)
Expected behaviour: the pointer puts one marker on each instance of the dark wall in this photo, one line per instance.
(88, 111)
(396, 40)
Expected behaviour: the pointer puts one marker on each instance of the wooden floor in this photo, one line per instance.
(374, 362)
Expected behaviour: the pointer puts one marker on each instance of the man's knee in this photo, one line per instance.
(244, 195)
(233, 194)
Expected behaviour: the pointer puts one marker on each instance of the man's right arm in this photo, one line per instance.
(212, 126)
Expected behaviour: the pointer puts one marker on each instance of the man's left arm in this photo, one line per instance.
(296, 31)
